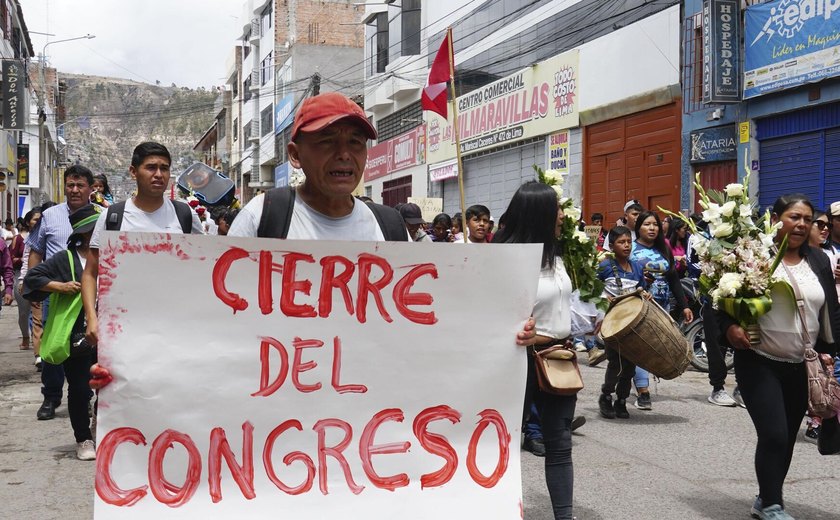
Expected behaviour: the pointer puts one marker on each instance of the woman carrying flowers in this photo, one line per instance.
(771, 372)
(534, 216)
(651, 251)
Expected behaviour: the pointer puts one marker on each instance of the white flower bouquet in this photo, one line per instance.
(736, 254)
(580, 256)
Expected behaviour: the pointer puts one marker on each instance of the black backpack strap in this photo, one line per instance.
(390, 222)
(182, 209)
(115, 216)
(278, 205)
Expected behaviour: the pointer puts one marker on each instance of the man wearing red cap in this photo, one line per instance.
(329, 143)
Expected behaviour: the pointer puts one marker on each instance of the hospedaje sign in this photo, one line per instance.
(721, 43)
(532, 102)
(284, 113)
(789, 43)
(719, 143)
(13, 99)
(399, 153)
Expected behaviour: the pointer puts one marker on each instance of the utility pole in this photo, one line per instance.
(316, 84)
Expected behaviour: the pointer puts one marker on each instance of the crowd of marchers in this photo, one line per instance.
(50, 265)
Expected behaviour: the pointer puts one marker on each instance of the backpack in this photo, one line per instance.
(115, 216)
(278, 204)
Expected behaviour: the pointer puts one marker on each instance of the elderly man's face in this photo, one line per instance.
(333, 159)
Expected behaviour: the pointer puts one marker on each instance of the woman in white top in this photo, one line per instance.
(534, 217)
(772, 376)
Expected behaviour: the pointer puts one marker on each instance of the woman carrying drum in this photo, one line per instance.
(620, 275)
(534, 217)
(772, 376)
(656, 259)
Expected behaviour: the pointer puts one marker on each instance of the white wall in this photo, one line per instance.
(639, 58)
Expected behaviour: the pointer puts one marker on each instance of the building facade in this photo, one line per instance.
(586, 87)
(287, 50)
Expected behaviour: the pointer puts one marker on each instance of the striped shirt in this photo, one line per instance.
(52, 232)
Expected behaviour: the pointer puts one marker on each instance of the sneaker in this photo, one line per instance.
(580, 346)
(643, 401)
(775, 512)
(605, 404)
(86, 450)
(596, 355)
(736, 396)
(721, 398)
(755, 510)
(621, 409)
(578, 421)
(535, 446)
(812, 433)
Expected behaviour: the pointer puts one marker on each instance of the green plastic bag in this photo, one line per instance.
(64, 310)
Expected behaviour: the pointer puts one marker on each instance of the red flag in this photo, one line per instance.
(434, 93)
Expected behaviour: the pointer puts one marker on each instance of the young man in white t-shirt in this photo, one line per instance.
(148, 210)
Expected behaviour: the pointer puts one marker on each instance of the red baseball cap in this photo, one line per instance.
(319, 112)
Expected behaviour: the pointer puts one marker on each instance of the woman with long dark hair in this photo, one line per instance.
(653, 253)
(772, 375)
(534, 217)
(678, 243)
(20, 256)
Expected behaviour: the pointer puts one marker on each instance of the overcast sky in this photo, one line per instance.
(185, 42)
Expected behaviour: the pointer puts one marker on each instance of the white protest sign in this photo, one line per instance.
(302, 379)
(429, 206)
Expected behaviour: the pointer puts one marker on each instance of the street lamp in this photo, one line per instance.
(42, 152)
(44, 50)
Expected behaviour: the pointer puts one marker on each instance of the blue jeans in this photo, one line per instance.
(837, 368)
(532, 427)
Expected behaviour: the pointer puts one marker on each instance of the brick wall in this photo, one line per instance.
(321, 22)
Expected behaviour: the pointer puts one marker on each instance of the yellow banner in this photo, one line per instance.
(534, 101)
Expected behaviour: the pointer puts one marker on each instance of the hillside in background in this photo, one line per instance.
(108, 117)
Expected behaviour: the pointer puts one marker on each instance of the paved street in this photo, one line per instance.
(686, 459)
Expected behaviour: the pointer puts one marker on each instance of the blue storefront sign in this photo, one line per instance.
(721, 54)
(789, 43)
(719, 143)
(284, 113)
(281, 175)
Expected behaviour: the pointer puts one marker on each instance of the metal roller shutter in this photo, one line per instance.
(792, 164)
(832, 167)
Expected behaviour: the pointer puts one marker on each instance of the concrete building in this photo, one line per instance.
(19, 136)
(780, 120)
(587, 87)
(289, 50)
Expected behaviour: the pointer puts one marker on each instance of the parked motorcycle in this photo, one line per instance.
(694, 331)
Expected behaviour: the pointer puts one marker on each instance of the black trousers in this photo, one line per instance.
(619, 375)
(556, 413)
(776, 395)
(77, 372)
(714, 354)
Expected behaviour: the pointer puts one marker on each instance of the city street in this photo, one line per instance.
(686, 459)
